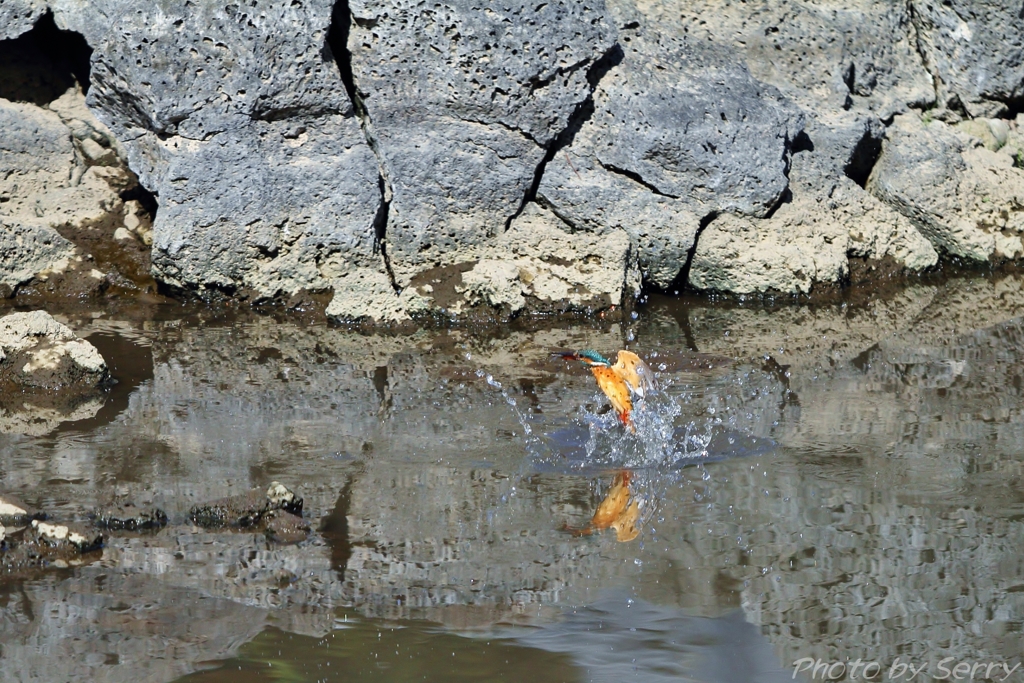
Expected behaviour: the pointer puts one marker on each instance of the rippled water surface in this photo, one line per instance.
(811, 484)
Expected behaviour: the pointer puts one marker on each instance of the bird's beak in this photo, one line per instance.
(566, 355)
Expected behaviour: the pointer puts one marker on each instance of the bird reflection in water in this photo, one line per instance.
(619, 510)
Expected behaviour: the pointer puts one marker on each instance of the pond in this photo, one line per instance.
(810, 486)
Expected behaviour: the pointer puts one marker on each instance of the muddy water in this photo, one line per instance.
(832, 483)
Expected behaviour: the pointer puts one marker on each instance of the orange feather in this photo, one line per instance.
(614, 503)
(635, 373)
(616, 390)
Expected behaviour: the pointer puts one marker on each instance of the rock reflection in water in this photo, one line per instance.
(858, 491)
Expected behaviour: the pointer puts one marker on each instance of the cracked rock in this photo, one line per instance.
(541, 264)
(825, 56)
(463, 102)
(679, 129)
(240, 123)
(975, 49)
(789, 252)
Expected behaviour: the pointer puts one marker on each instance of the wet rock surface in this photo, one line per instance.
(130, 517)
(45, 545)
(15, 513)
(246, 510)
(48, 375)
(38, 353)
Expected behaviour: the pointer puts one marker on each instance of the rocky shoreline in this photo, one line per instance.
(400, 162)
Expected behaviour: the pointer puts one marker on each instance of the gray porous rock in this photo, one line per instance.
(685, 119)
(395, 152)
(825, 55)
(18, 16)
(238, 119)
(678, 130)
(848, 67)
(974, 49)
(843, 63)
(966, 199)
(827, 219)
(462, 101)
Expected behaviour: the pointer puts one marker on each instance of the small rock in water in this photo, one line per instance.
(57, 535)
(15, 513)
(247, 509)
(278, 494)
(284, 527)
(128, 516)
(37, 352)
(43, 545)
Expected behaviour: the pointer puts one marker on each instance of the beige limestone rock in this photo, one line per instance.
(877, 231)
(537, 264)
(367, 294)
(992, 133)
(788, 252)
(84, 125)
(966, 199)
(37, 351)
(538, 258)
(45, 184)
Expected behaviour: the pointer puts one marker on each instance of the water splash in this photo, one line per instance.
(524, 420)
(668, 436)
(662, 439)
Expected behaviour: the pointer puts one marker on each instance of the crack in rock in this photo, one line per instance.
(609, 60)
(337, 40)
(636, 178)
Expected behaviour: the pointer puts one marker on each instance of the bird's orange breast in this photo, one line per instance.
(616, 391)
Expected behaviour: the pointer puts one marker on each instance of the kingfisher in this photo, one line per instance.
(629, 375)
